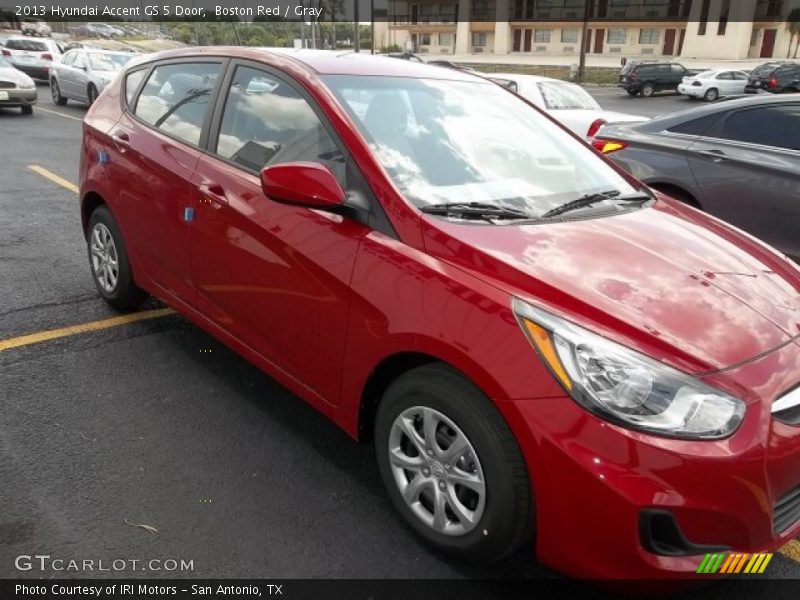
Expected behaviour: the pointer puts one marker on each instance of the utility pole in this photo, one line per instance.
(358, 32)
(372, 26)
(582, 63)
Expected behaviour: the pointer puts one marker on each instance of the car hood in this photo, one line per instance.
(579, 121)
(12, 74)
(666, 280)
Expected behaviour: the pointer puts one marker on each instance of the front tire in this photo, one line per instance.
(451, 465)
(27, 110)
(108, 260)
(55, 92)
(91, 93)
(648, 89)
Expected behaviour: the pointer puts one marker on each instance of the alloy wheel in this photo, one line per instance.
(437, 471)
(105, 261)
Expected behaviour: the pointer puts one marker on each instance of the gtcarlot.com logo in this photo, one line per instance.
(734, 563)
(45, 562)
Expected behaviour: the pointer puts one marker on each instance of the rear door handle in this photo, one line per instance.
(121, 139)
(213, 192)
(715, 155)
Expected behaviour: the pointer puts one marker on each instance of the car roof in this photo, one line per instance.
(325, 62)
(522, 77)
(665, 122)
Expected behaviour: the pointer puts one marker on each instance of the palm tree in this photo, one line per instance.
(793, 20)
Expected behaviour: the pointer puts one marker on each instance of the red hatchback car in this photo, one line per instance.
(539, 346)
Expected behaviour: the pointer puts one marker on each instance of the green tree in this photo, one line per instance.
(793, 20)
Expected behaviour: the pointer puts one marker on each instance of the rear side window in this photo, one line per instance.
(176, 99)
(768, 126)
(28, 45)
(699, 126)
(68, 59)
(266, 122)
(132, 82)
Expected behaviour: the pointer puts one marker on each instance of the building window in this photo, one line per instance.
(724, 11)
(617, 36)
(569, 36)
(445, 39)
(649, 36)
(701, 26)
(478, 38)
(424, 39)
(754, 37)
(542, 36)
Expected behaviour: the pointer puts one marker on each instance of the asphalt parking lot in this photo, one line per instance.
(118, 422)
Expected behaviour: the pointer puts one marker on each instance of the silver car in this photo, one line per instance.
(83, 73)
(16, 88)
(737, 159)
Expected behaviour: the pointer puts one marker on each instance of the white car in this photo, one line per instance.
(32, 57)
(35, 27)
(566, 102)
(16, 88)
(710, 85)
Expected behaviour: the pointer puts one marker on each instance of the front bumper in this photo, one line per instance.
(593, 481)
(18, 97)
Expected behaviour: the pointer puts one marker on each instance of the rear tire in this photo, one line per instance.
(711, 95)
(483, 521)
(55, 92)
(648, 89)
(108, 261)
(27, 110)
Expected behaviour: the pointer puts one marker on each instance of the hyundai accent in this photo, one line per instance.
(542, 350)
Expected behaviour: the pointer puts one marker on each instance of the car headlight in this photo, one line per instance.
(27, 84)
(624, 386)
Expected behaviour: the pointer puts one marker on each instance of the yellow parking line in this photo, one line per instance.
(791, 550)
(54, 112)
(52, 334)
(54, 178)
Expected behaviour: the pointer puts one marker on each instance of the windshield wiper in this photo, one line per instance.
(591, 199)
(475, 210)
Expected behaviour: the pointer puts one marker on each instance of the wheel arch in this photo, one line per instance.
(89, 203)
(676, 191)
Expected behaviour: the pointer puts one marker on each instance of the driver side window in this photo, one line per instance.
(80, 61)
(266, 122)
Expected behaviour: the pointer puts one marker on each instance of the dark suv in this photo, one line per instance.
(775, 77)
(648, 78)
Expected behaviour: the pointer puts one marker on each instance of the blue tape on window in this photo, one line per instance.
(103, 157)
(188, 214)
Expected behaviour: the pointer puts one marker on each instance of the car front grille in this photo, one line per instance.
(7, 85)
(787, 511)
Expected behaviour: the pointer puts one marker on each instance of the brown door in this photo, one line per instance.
(528, 33)
(669, 42)
(599, 37)
(680, 41)
(517, 40)
(768, 45)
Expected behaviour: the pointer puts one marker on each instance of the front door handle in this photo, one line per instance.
(213, 193)
(715, 155)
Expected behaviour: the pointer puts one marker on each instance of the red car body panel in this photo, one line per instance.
(321, 302)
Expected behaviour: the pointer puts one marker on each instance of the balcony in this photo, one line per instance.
(599, 10)
(769, 10)
(450, 18)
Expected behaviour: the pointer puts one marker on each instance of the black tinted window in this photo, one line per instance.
(132, 82)
(176, 98)
(266, 122)
(769, 126)
(699, 126)
(29, 45)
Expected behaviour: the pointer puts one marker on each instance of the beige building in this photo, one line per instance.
(712, 29)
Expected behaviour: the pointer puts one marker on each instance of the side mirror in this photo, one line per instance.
(303, 184)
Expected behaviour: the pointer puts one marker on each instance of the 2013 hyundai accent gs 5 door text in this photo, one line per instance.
(541, 349)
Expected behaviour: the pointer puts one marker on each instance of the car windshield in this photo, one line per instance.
(460, 142)
(100, 61)
(566, 96)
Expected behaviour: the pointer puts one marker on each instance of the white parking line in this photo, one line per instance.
(53, 112)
